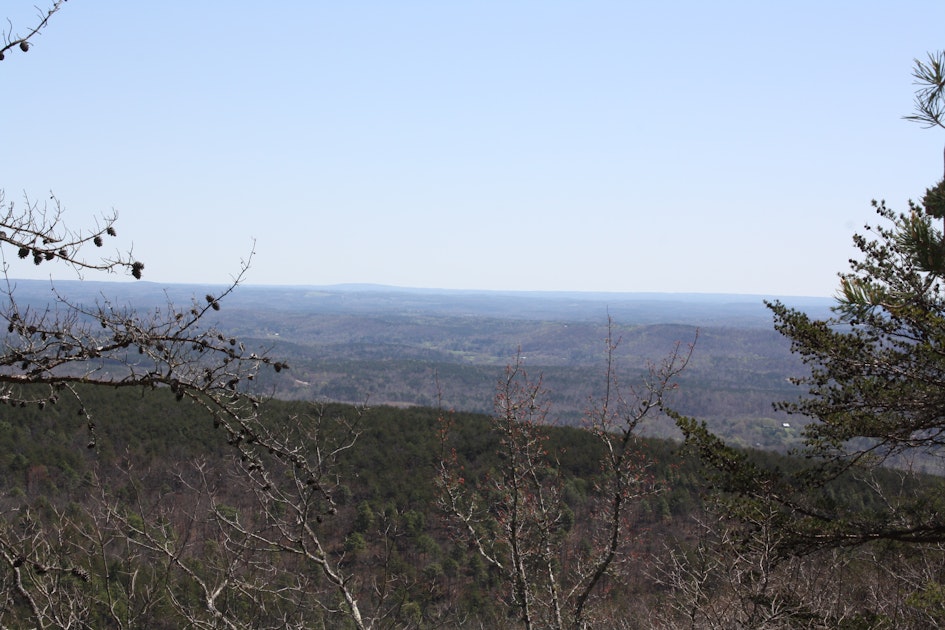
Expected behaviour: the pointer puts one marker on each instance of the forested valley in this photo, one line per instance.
(402, 347)
(364, 457)
(161, 525)
(370, 457)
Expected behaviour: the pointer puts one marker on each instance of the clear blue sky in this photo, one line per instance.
(534, 145)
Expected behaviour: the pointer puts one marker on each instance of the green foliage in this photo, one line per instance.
(929, 104)
(364, 520)
(930, 599)
(389, 523)
(875, 389)
(355, 543)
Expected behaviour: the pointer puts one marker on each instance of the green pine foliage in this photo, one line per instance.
(875, 391)
(873, 394)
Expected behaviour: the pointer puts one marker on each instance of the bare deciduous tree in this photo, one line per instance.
(518, 522)
(733, 574)
(58, 347)
(64, 342)
(255, 548)
(12, 40)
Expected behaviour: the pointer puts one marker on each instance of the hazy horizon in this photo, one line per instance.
(369, 287)
(728, 148)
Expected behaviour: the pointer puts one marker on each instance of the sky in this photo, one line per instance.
(723, 147)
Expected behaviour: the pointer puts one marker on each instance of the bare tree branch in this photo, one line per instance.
(12, 40)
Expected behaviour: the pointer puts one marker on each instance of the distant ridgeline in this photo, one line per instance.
(393, 346)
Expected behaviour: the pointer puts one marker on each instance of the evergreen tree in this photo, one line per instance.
(876, 386)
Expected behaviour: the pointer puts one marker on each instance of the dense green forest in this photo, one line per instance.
(135, 529)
